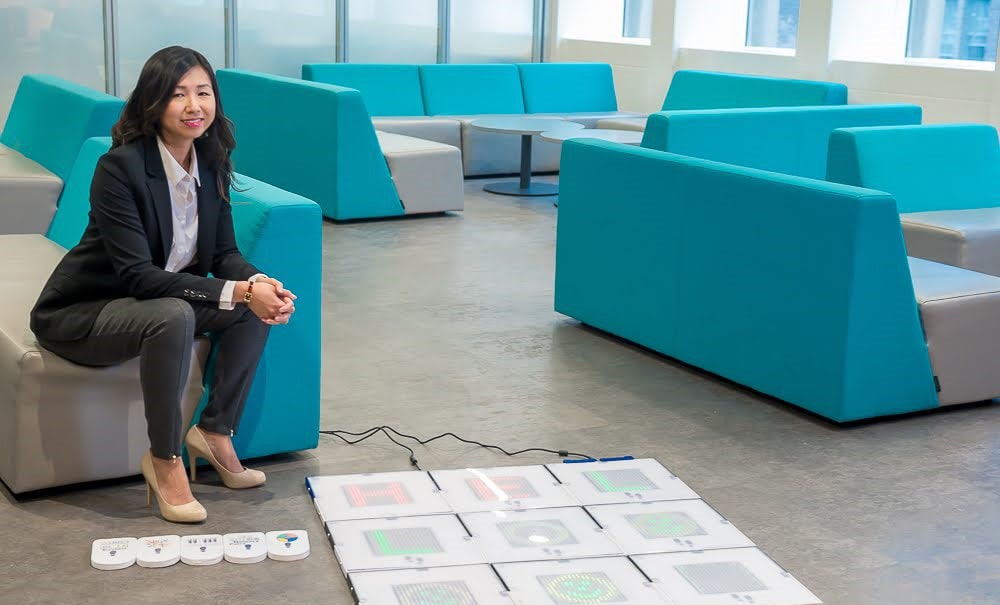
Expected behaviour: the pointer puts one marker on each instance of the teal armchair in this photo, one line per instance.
(77, 424)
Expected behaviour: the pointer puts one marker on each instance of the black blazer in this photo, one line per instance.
(127, 242)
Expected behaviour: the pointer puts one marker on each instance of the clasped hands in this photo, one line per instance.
(271, 302)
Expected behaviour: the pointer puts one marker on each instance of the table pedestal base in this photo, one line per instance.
(514, 188)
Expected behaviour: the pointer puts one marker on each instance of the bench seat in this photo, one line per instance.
(638, 124)
(960, 315)
(963, 238)
(63, 423)
(442, 130)
(427, 174)
(28, 193)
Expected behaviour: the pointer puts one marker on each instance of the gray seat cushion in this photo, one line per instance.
(429, 128)
(623, 123)
(427, 174)
(963, 238)
(28, 194)
(960, 314)
(61, 423)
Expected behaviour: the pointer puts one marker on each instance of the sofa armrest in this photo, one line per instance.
(281, 233)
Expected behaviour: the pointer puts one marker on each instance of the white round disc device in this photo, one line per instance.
(158, 551)
(108, 554)
(288, 545)
(201, 550)
(249, 547)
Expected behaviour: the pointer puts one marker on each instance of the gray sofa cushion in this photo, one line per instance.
(430, 128)
(963, 238)
(427, 174)
(960, 314)
(28, 194)
(61, 423)
(623, 123)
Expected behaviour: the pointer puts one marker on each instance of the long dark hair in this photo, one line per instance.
(145, 106)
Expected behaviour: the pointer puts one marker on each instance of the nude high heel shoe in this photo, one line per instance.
(198, 448)
(191, 512)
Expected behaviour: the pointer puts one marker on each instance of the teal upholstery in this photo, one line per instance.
(280, 233)
(790, 140)
(451, 89)
(794, 287)
(693, 89)
(50, 118)
(388, 89)
(567, 87)
(930, 167)
(319, 143)
(72, 215)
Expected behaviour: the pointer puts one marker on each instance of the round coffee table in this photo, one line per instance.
(628, 137)
(526, 127)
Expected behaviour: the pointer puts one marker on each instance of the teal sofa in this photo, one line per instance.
(62, 424)
(695, 89)
(439, 102)
(330, 152)
(798, 288)
(789, 140)
(49, 120)
(946, 181)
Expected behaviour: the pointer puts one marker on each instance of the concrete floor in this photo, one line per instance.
(446, 324)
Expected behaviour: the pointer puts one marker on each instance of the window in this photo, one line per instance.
(392, 31)
(638, 17)
(772, 23)
(953, 29)
(499, 31)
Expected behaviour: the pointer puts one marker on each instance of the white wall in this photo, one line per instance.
(838, 40)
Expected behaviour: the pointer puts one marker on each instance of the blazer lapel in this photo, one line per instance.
(160, 193)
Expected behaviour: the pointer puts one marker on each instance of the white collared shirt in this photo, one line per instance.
(183, 188)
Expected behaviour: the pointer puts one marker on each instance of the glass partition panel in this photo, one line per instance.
(392, 31)
(953, 29)
(146, 26)
(491, 31)
(64, 39)
(638, 19)
(772, 23)
(278, 36)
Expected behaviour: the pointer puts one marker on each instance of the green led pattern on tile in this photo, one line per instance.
(665, 525)
(434, 593)
(581, 588)
(402, 542)
(624, 480)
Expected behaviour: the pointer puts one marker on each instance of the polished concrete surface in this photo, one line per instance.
(446, 324)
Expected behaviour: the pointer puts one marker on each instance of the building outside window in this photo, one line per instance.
(638, 18)
(772, 23)
(953, 29)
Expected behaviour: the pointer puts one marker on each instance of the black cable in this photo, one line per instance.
(373, 431)
(561, 453)
(384, 429)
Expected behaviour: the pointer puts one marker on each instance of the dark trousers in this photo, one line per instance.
(161, 333)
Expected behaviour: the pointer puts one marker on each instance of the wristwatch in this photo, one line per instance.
(248, 295)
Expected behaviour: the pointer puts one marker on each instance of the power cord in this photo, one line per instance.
(388, 431)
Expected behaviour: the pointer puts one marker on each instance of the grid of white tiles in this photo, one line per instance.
(625, 531)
